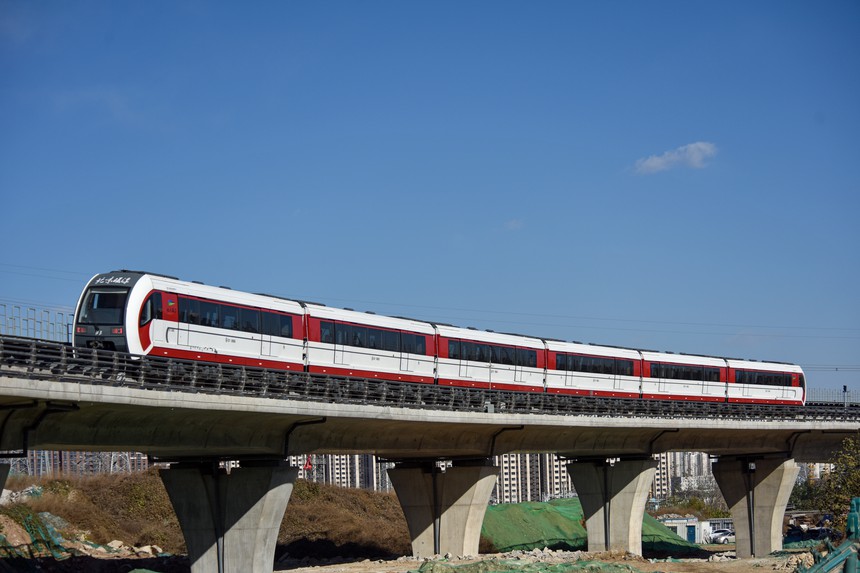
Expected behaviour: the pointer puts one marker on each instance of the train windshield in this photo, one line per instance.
(103, 307)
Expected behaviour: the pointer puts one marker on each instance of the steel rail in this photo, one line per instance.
(44, 360)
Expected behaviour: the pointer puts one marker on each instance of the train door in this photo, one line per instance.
(340, 335)
(189, 312)
(617, 382)
(152, 318)
(181, 334)
(504, 368)
(186, 315)
(569, 379)
(407, 347)
(518, 361)
(464, 368)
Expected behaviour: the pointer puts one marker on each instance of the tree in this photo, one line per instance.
(804, 494)
(837, 489)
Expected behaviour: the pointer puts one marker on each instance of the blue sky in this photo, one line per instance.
(676, 176)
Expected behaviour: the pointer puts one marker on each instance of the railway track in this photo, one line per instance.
(44, 360)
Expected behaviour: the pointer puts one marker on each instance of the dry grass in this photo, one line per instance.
(329, 520)
(134, 508)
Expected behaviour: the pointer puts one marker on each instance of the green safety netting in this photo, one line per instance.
(560, 524)
(45, 539)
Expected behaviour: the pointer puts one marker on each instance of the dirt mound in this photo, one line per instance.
(329, 521)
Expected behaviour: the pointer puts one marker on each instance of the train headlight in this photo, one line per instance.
(117, 330)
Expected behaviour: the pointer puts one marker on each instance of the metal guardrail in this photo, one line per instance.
(45, 324)
(43, 360)
(845, 396)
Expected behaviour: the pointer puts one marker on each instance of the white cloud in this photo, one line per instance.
(692, 155)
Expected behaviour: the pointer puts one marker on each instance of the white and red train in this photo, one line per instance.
(149, 314)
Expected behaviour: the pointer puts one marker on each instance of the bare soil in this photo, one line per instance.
(326, 529)
(726, 564)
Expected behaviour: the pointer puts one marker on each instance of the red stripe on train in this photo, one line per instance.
(225, 359)
(394, 376)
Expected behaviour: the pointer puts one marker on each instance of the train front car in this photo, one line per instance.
(100, 317)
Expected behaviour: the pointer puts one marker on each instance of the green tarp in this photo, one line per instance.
(559, 524)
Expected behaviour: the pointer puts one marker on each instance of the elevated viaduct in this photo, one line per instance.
(194, 416)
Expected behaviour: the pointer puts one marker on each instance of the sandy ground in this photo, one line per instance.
(720, 563)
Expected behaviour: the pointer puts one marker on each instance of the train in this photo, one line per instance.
(147, 314)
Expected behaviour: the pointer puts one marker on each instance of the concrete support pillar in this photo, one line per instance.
(4, 473)
(756, 491)
(230, 521)
(613, 500)
(444, 510)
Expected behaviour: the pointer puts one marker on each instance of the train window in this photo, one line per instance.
(526, 357)
(454, 349)
(683, 372)
(391, 340)
(469, 350)
(415, 344)
(561, 362)
(249, 320)
(286, 326)
(587, 364)
(607, 365)
(374, 339)
(189, 310)
(504, 355)
(409, 342)
(151, 309)
(476, 352)
(327, 332)
(624, 367)
(358, 336)
(229, 317)
(351, 335)
(496, 352)
(209, 314)
(103, 307)
(595, 365)
(275, 324)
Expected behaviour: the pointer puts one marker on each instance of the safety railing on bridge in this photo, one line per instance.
(42, 360)
(831, 395)
(31, 322)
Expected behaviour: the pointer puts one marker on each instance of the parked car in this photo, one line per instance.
(715, 534)
(723, 538)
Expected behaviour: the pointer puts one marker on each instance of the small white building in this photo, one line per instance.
(688, 528)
